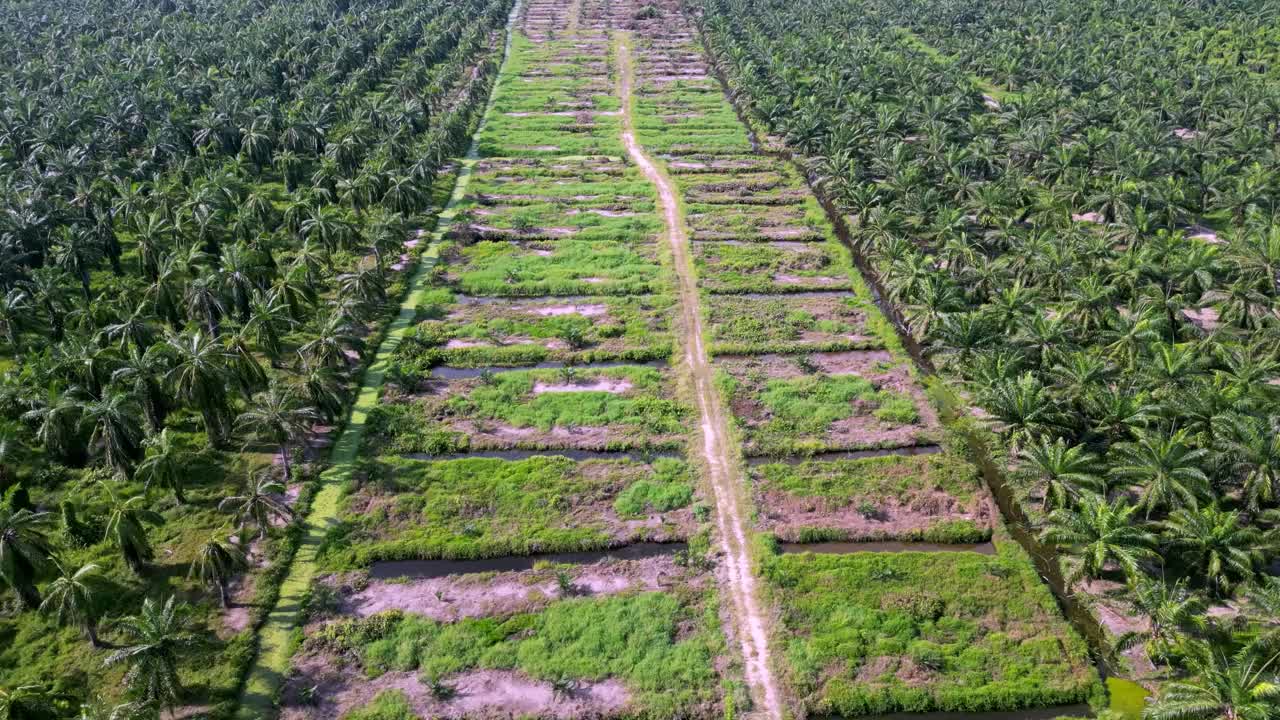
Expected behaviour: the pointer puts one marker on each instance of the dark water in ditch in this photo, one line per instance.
(443, 568)
(845, 548)
(1078, 710)
(445, 372)
(635, 456)
(843, 455)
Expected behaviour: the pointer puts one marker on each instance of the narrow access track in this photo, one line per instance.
(271, 663)
(723, 473)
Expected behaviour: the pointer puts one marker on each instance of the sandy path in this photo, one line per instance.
(725, 476)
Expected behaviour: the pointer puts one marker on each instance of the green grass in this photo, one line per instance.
(523, 333)
(573, 267)
(887, 632)
(857, 485)
(386, 705)
(643, 415)
(663, 646)
(799, 415)
(741, 325)
(483, 507)
(725, 268)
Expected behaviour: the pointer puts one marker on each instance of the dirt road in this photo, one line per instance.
(723, 472)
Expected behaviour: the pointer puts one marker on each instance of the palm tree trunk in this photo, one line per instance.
(91, 630)
(284, 459)
(222, 593)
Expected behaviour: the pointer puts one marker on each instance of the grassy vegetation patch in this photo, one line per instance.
(521, 332)
(485, 507)
(755, 222)
(888, 632)
(662, 645)
(814, 412)
(930, 498)
(800, 323)
(770, 267)
(560, 267)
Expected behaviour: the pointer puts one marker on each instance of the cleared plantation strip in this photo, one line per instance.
(875, 633)
(825, 402)
(863, 632)
(274, 639)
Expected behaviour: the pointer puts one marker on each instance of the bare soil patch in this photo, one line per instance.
(448, 599)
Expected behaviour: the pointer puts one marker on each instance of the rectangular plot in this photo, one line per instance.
(601, 220)
(486, 507)
(648, 653)
(770, 267)
(872, 633)
(558, 267)
(798, 405)
(613, 408)
(935, 497)
(794, 323)
(524, 332)
(803, 222)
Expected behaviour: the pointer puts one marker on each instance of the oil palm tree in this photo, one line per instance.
(215, 565)
(165, 465)
(1166, 468)
(1216, 543)
(277, 416)
(127, 519)
(29, 702)
(1098, 532)
(25, 551)
(1062, 471)
(1253, 446)
(1239, 686)
(155, 639)
(259, 503)
(73, 598)
(1171, 611)
(117, 433)
(199, 375)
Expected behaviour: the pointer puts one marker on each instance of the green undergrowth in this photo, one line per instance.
(386, 705)
(787, 324)
(888, 632)
(484, 507)
(641, 414)
(759, 267)
(782, 416)
(528, 332)
(560, 267)
(863, 486)
(662, 645)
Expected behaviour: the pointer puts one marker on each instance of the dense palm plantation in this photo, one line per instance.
(1075, 208)
(204, 210)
